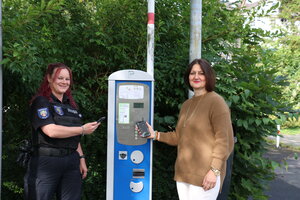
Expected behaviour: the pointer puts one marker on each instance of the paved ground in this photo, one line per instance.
(286, 185)
(290, 140)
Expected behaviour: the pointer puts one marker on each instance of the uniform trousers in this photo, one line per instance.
(192, 192)
(50, 175)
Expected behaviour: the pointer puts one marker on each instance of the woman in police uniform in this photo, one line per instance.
(57, 165)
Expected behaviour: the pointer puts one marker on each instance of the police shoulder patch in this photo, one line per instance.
(59, 110)
(43, 113)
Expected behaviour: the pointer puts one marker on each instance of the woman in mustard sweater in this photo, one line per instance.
(203, 136)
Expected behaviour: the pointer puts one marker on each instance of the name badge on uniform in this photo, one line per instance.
(43, 113)
(72, 111)
(58, 110)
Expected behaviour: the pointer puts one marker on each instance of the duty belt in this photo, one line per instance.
(48, 151)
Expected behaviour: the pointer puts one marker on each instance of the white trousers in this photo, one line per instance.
(191, 192)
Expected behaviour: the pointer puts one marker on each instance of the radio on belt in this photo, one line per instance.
(129, 155)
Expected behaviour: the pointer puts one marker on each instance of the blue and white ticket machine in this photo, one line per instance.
(129, 156)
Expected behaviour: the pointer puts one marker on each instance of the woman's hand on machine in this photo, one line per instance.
(151, 131)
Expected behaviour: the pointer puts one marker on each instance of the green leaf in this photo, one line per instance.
(258, 122)
(4, 61)
(235, 98)
(266, 120)
(247, 93)
(245, 124)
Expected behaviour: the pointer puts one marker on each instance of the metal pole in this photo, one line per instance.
(1, 89)
(278, 137)
(195, 32)
(150, 38)
(150, 69)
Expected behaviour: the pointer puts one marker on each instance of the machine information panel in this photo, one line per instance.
(132, 106)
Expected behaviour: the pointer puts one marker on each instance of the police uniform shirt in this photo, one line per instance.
(44, 112)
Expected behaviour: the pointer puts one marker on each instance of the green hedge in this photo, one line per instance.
(98, 37)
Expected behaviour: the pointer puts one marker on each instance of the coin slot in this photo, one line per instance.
(138, 173)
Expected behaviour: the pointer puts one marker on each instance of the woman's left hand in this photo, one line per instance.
(150, 129)
(209, 181)
(83, 168)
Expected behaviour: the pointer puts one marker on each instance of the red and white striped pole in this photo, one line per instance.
(278, 137)
(150, 69)
(150, 38)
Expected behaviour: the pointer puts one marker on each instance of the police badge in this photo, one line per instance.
(43, 113)
(58, 110)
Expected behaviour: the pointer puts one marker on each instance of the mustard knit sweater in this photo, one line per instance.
(203, 136)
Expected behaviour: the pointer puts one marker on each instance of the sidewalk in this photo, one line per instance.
(286, 185)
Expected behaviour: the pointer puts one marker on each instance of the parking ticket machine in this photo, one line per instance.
(129, 156)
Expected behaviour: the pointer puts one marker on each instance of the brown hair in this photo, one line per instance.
(208, 71)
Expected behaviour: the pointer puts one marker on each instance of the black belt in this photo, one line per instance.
(48, 151)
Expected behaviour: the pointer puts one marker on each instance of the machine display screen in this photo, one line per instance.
(138, 105)
(131, 92)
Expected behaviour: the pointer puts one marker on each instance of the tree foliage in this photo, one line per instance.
(289, 11)
(286, 50)
(98, 37)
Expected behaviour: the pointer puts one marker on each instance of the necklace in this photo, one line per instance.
(187, 116)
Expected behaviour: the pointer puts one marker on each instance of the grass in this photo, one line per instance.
(291, 131)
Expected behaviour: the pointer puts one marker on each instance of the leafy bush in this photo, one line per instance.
(292, 122)
(98, 37)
